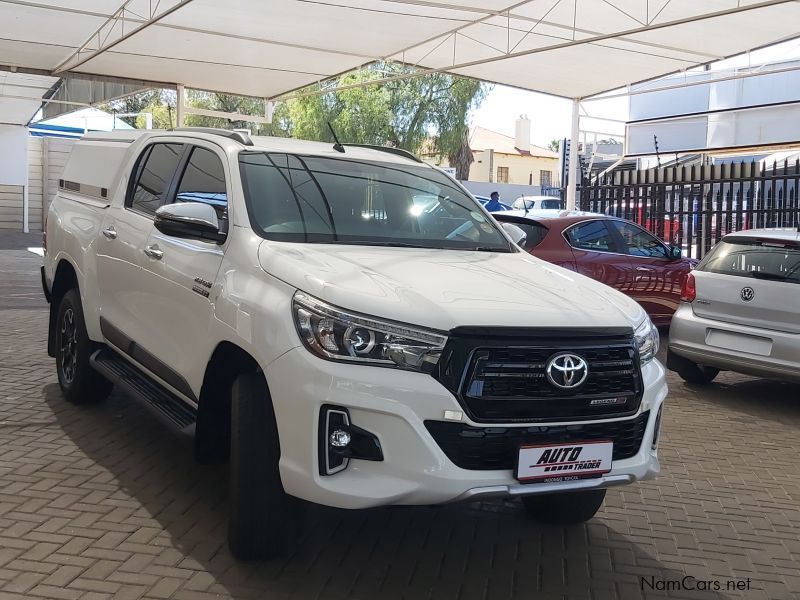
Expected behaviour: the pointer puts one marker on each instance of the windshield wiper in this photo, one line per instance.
(490, 249)
(388, 244)
(768, 275)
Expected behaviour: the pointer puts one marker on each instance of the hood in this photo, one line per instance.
(443, 289)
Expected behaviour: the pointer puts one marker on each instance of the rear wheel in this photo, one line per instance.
(263, 518)
(567, 508)
(698, 374)
(79, 382)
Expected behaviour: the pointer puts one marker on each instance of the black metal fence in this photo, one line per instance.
(693, 207)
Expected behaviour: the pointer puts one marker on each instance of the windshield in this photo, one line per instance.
(751, 257)
(314, 199)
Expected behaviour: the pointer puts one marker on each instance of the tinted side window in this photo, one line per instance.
(153, 175)
(592, 236)
(639, 242)
(203, 180)
(534, 234)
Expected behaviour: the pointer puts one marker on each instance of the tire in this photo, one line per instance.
(697, 374)
(263, 518)
(568, 508)
(79, 382)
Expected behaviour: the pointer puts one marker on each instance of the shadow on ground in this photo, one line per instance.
(483, 551)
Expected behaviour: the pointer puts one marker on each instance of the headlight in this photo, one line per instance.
(647, 339)
(335, 334)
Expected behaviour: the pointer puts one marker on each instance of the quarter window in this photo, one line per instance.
(153, 175)
(593, 236)
(203, 180)
(638, 242)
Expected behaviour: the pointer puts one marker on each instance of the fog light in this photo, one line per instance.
(339, 438)
(340, 441)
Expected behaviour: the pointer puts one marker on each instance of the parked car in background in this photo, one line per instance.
(484, 199)
(741, 309)
(538, 203)
(617, 252)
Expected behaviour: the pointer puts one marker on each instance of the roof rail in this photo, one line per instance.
(236, 136)
(389, 149)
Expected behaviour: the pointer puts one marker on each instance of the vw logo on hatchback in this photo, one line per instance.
(747, 294)
(566, 371)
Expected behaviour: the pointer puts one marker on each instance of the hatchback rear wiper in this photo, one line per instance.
(768, 275)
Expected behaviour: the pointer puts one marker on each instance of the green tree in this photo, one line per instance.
(554, 145)
(412, 113)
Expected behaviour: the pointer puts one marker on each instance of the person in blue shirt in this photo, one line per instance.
(494, 204)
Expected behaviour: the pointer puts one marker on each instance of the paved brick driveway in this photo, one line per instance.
(101, 502)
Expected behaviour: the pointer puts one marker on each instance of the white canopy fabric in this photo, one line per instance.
(21, 96)
(570, 48)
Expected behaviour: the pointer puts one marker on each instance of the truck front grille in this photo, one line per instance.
(499, 379)
(496, 448)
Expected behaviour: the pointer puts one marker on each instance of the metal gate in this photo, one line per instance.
(693, 207)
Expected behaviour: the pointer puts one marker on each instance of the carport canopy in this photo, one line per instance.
(569, 48)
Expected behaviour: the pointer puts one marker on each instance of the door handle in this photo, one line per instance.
(110, 232)
(154, 252)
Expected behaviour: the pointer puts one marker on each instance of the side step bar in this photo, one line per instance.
(165, 405)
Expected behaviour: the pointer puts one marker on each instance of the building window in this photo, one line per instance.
(502, 174)
(545, 178)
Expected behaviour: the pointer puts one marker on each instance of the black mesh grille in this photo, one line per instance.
(495, 448)
(504, 379)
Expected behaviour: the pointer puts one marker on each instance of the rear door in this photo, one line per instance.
(121, 244)
(598, 255)
(751, 281)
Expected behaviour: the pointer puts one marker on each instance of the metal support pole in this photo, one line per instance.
(179, 106)
(25, 208)
(572, 178)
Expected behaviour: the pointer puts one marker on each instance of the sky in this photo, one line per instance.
(551, 116)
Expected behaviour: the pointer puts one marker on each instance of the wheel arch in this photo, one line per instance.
(65, 279)
(212, 434)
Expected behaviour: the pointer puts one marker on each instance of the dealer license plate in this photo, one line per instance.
(564, 462)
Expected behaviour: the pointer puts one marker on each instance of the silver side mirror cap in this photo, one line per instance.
(191, 220)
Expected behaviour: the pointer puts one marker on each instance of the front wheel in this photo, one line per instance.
(567, 508)
(263, 518)
(79, 382)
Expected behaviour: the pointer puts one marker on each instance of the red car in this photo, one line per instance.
(615, 251)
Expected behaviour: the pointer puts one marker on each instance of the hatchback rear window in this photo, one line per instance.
(752, 257)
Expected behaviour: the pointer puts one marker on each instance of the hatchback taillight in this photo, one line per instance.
(688, 291)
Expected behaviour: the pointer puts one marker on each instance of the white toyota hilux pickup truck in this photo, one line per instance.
(346, 325)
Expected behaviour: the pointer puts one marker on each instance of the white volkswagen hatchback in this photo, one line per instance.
(740, 309)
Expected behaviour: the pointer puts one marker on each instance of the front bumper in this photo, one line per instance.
(393, 405)
(689, 333)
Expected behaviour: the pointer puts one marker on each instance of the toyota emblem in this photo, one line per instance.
(747, 294)
(566, 371)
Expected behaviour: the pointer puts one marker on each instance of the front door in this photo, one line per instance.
(657, 278)
(598, 256)
(181, 277)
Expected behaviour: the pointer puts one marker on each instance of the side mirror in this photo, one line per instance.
(517, 234)
(675, 253)
(189, 220)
